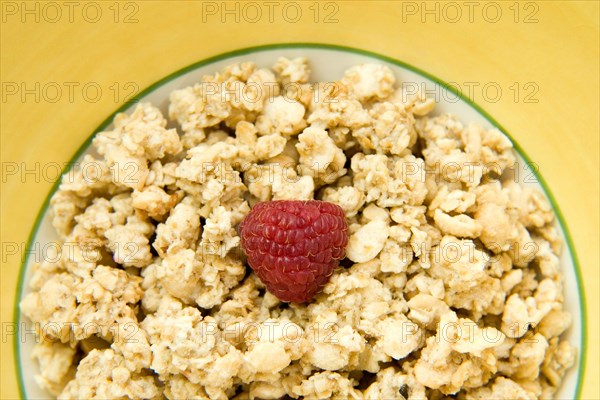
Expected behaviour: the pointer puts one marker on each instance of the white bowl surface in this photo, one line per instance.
(327, 64)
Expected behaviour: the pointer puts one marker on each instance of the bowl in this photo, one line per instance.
(327, 63)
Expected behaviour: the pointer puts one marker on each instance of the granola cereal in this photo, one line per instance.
(451, 287)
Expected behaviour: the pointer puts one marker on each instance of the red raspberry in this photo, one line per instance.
(294, 246)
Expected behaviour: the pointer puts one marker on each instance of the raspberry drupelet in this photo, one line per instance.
(294, 246)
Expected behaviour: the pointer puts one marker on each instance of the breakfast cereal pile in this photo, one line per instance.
(451, 286)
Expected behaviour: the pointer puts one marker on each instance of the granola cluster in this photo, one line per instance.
(451, 287)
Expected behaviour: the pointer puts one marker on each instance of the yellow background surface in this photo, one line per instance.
(550, 46)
